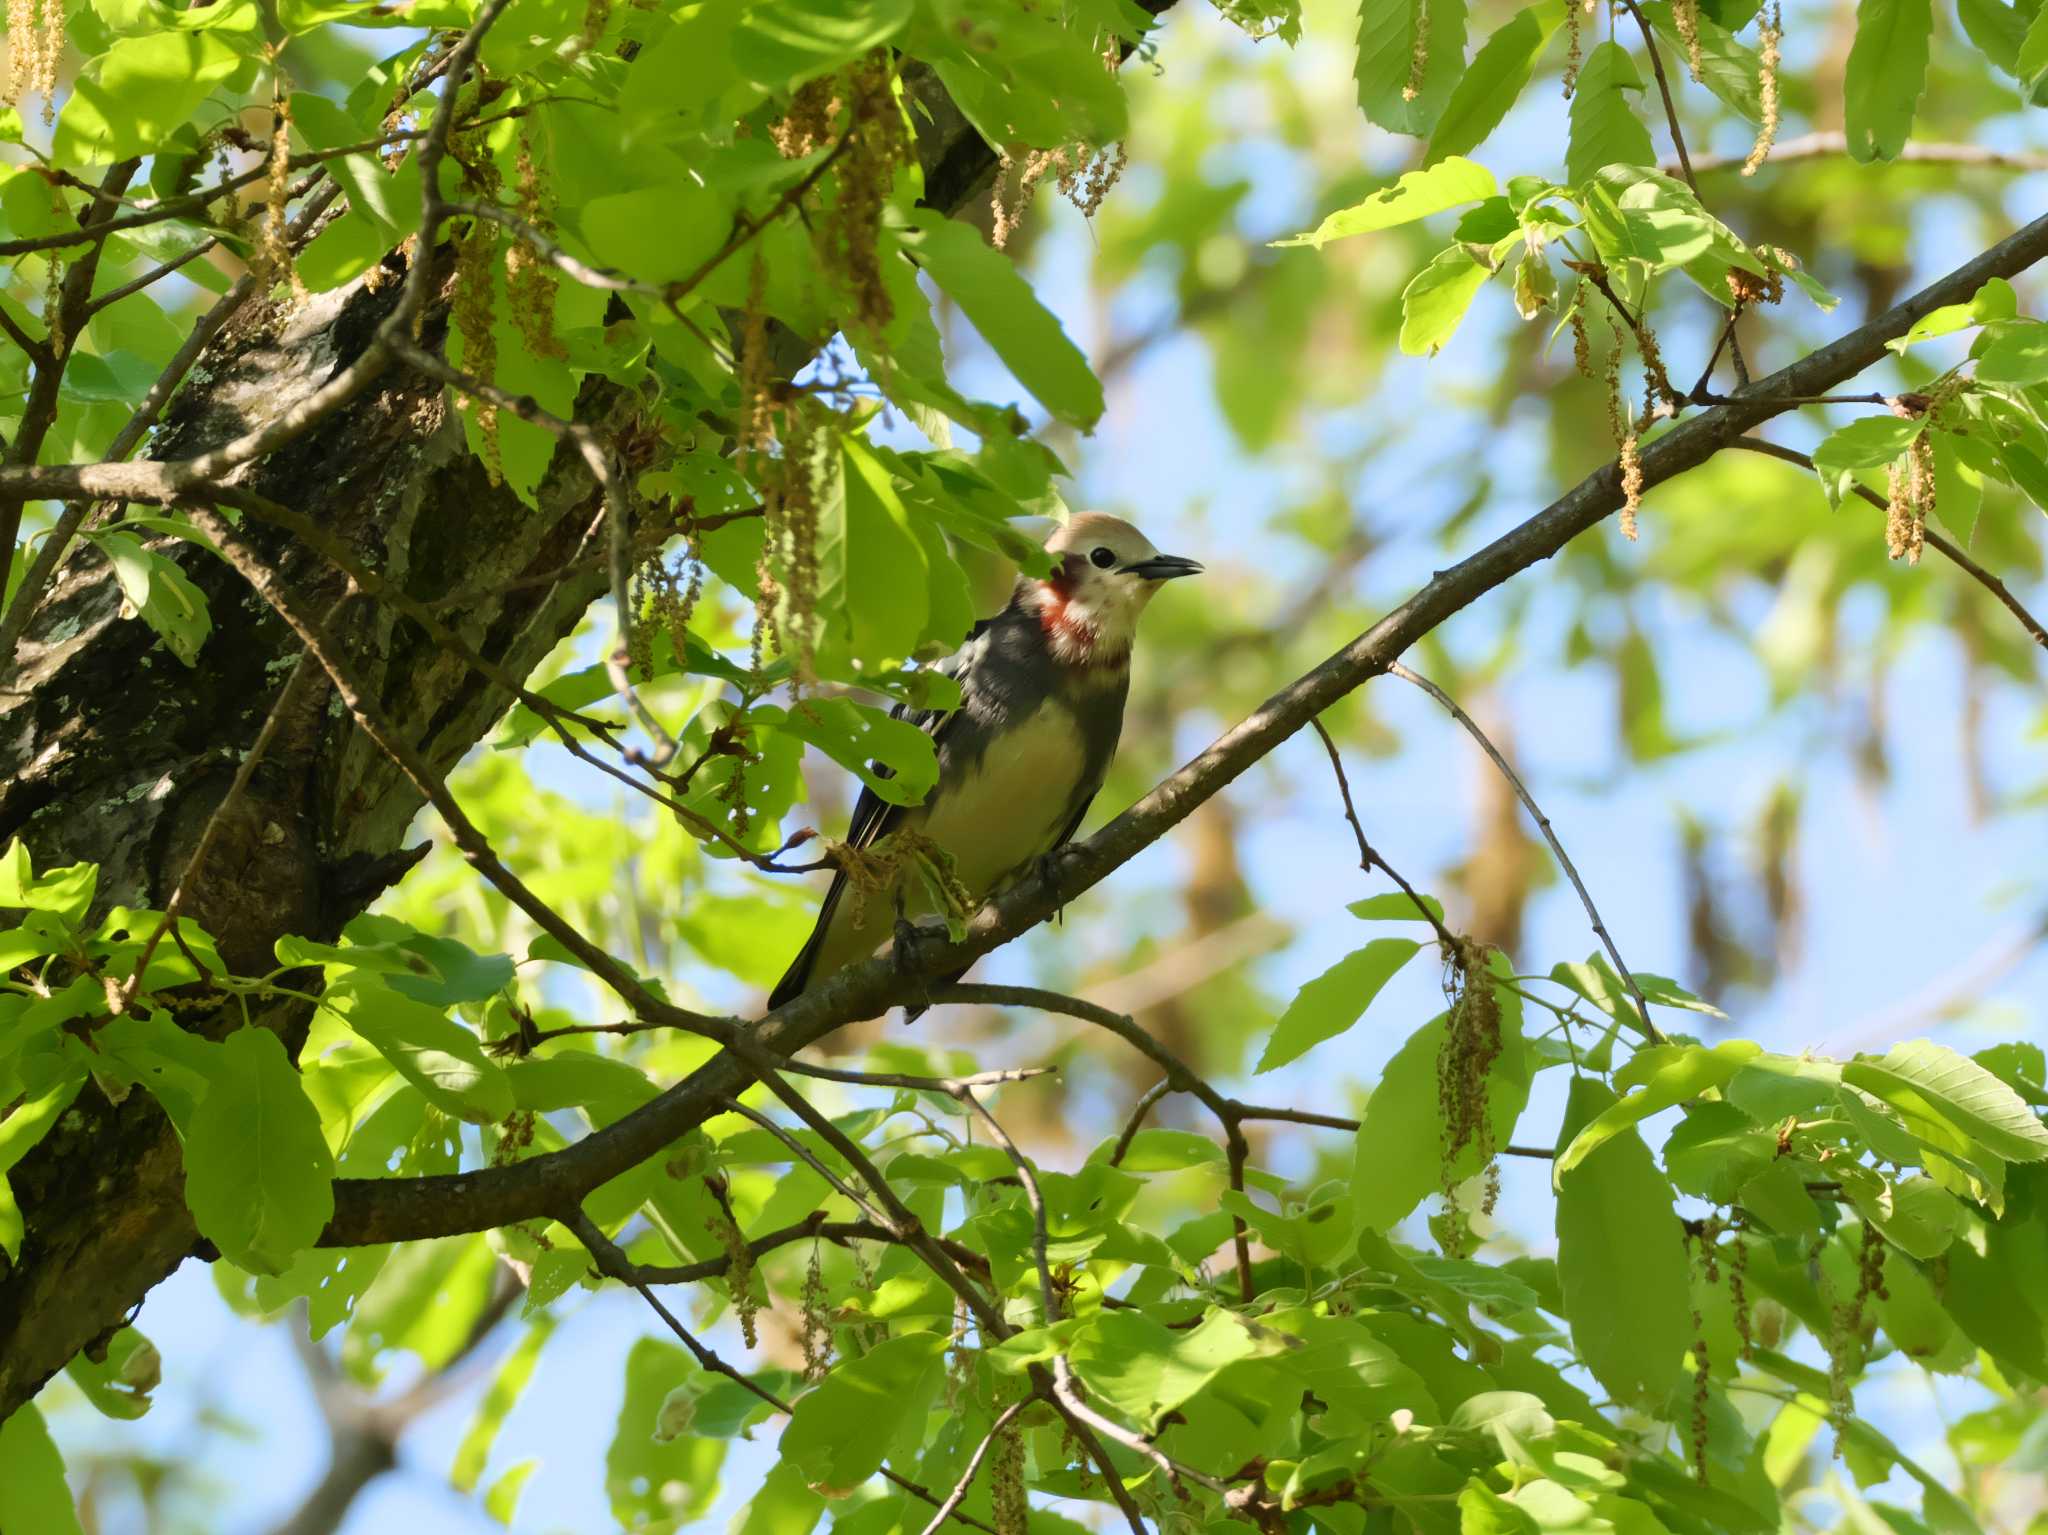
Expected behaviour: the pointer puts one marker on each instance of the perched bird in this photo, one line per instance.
(1042, 688)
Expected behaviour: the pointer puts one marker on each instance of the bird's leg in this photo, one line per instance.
(1051, 864)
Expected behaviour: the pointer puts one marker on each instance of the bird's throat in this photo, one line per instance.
(1073, 635)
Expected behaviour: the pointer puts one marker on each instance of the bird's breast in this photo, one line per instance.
(1006, 802)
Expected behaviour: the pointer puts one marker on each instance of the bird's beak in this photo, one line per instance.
(1163, 567)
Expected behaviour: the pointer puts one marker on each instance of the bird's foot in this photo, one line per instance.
(907, 939)
(1051, 867)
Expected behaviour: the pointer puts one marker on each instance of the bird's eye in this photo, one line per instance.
(1101, 557)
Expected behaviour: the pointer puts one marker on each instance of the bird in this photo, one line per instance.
(1042, 689)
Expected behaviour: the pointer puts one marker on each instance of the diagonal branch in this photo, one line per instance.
(397, 1209)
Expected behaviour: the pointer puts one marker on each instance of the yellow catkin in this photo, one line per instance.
(1621, 427)
(807, 125)
(817, 1323)
(1574, 38)
(1418, 54)
(1685, 16)
(53, 305)
(530, 278)
(1472, 1043)
(739, 1273)
(597, 15)
(1738, 1296)
(1008, 1504)
(35, 49)
(1771, 36)
(270, 256)
(848, 236)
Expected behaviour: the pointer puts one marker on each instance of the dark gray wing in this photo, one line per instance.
(873, 819)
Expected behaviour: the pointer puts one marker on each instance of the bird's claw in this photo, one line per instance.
(903, 949)
(1051, 864)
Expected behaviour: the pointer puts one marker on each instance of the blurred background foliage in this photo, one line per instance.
(1803, 778)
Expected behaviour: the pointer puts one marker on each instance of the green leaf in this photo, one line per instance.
(1435, 302)
(1958, 489)
(840, 1432)
(501, 1503)
(1604, 127)
(2032, 58)
(66, 891)
(1450, 183)
(1917, 1215)
(133, 97)
(259, 1178)
(1991, 1286)
(1386, 59)
(1621, 1261)
(779, 44)
(1994, 301)
(851, 734)
(1000, 304)
(1715, 1150)
(1885, 74)
(2016, 352)
(1922, 1078)
(440, 1057)
(1497, 74)
(119, 1383)
(1145, 1370)
(1391, 1175)
(159, 592)
(33, 1494)
(27, 1123)
(1694, 1071)
(1396, 906)
(1335, 1000)
(657, 1486)
(1866, 443)
(1729, 67)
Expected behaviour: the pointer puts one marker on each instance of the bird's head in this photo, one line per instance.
(1105, 573)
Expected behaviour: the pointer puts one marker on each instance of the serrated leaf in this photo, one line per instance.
(1001, 305)
(2014, 352)
(1885, 73)
(1604, 127)
(1450, 183)
(161, 594)
(1335, 1000)
(1385, 63)
(1924, 1078)
(1496, 76)
(1866, 443)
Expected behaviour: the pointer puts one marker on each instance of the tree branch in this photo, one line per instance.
(399, 1209)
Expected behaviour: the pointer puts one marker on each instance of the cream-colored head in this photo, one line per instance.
(1107, 572)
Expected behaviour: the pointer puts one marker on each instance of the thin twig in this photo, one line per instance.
(954, 1498)
(1825, 145)
(1650, 1030)
(1664, 90)
(1949, 551)
(1368, 855)
(1153, 1094)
